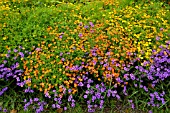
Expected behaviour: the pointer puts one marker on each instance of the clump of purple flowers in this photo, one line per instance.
(3, 109)
(156, 97)
(95, 96)
(12, 71)
(152, 77)
(37, 105)
(11, 67)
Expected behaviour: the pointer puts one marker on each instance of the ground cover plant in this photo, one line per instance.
(84, 56)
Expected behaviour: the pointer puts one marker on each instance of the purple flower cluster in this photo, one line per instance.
(155, 96)
(12, 71)
(75, 68)
(72, 100)
(95, 95)
(86, 26)
(10, 68)
(158, 71)
(3, 109)
(93, 51)
(132, 104)
(40, 105)
(29, 90)
(58, 100)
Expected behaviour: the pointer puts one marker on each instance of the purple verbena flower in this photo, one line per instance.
(161, 29)
(36, 99)
(65, 108)
(21, 54)
(80, 35)
(86, 26)
(3, 90)
(15, 50)
(91, 24)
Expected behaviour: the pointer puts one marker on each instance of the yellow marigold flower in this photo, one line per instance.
(139, 48)
(25, 77)
(137, 35)
(149, 40)
(4, 38)
(140, 57)
(60, 78)
(135, 42)
(147, 53)
(54, 76)
(164, 46)
(160, 34)
(29, 84)
(146, 44)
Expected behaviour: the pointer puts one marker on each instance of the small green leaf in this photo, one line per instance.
(1, 103)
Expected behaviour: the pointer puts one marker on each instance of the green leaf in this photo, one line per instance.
(1, 103)
(133, 94)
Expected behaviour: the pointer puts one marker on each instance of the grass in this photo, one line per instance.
(70, 56)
